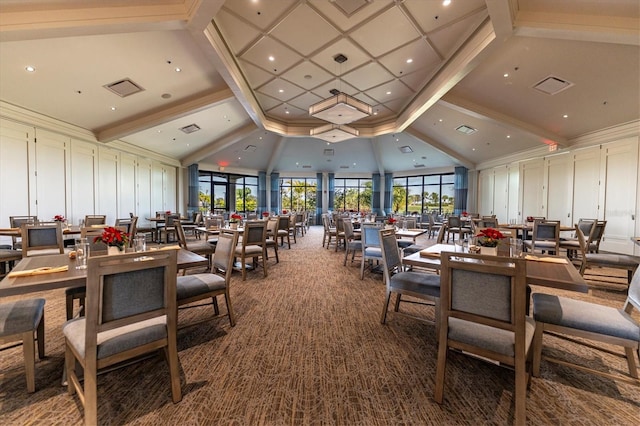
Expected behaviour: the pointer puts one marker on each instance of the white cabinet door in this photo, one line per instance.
(620, 169)
(83, 172)
(558, 188)
(485, 190)
(170, 189)
(157, 188)
(51, 174)
(501, 193)
(15, 141)
(513, 211)
(532, 181)
(108, 184)
(127, 202)
(144, 208)
(586, 184)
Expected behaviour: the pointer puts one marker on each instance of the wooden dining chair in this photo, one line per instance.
(95, 219)
(197, 287)
(131, 311)
(19, 321)
(253, 246)
(483, 313)
(41, 239)
(17, 222)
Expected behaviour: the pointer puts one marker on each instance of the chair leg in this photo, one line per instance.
(171, 352)
(520, 393)
(216, 309)
(40, 337)
(90, 396)
(440, 371)
(633, 371)
(537, 349)
(232, 316)
(383, 318)
(29, 351)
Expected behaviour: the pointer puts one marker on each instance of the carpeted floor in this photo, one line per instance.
(308, 349)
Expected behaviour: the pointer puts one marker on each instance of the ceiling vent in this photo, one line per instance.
(418, 166)
(405, 149)
(467, 130)
(344, 167)
(190, 128)
(306, 166)
(328, 152)
(123, 88)
(250, 148)
(552, 85)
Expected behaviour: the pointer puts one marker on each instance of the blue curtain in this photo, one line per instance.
(193, 203)
(275, 192)
(319, 198)
(332, 190)
(460, 189)
(388, 193)
(375, 194)
(262, 192)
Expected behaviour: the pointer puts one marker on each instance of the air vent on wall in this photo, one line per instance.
(190, 128)
(467, 130)
(124, 87)
(552, 85)
(328, 152)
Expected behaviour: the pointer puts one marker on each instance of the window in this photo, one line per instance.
(298, 194)
(352, 194)
(427, 193)
(221, 192)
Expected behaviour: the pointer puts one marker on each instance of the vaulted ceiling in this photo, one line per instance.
(246, 71)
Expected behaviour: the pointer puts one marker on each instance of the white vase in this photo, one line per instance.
(489, 251)
(113, 250)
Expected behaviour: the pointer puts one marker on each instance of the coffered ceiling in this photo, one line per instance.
(425, 69)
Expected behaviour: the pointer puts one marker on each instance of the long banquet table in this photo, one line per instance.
(11, 286)
(563, 276)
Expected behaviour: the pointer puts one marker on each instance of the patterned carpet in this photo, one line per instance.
(308, 349)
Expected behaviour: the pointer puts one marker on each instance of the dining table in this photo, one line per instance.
(543, 270)
(68, 276)
(523, 229)
(410, 233)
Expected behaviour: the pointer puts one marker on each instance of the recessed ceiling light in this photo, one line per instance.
(286, 112)
(271, 58)
(508, 136)
(505, 75)
(388, 93)
(113, 108)
(178, 69)
(473, 149)
(440, 120)
(375, 113)
(281, 91)
(565, 116)
(409, 60)
(159, 131)
(30, 68)
(446, 2)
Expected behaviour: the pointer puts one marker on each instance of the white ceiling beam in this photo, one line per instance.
(219, 145)
(483, 113)
(377, 154)
(164, 115)
(578, 27)
(440, 147)
(502, 14)
(275, 154)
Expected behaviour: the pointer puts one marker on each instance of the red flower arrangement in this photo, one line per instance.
(113, 237)
(285, 211)
(489, 237)
(235, 218)
(265, 214)
(391, 221)
(58, 218)
(465, 214)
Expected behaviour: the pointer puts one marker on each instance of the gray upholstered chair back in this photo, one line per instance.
(18, 221)
(411, 222)
(41, 237)
(587, 226)
(182, 238)
(96, 248)
(348, 229)
(390, 253)
(254, 233)
(547, 230)
(95, 219)
(225, 249)
(370, 235)
(121, 299)
(283, 222)
(454, 222)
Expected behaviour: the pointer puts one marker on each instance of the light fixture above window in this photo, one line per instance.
(334, 132)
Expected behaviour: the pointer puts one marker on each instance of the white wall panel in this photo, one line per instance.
(513, 210)
(586, 184)
(144, 208)
(532, 182)
(620, 177)
(83, 172)
(501, 193)
(108, 184)
(51, 174)
(558, 189)
(127, 202)
(485, 192)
